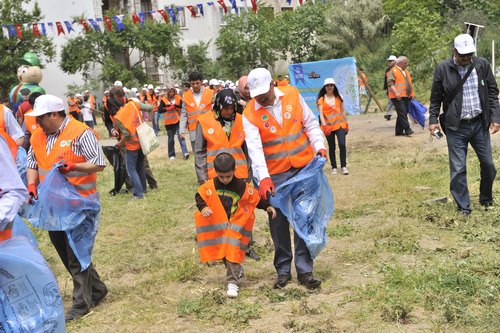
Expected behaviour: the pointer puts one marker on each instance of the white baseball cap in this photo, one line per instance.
(118, 84)
(86, 91)
(214, 82)
(464, 44)
(134, 89)
(392, 58)
(78, 95)
(259, 81)
(46, 104)
(176, 85)
(328, 80)
(106, 92)
(204, 81)
(150, 86)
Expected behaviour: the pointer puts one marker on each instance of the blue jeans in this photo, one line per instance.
(171, 131)
(156, 127)
(136, 171)
(474, 133)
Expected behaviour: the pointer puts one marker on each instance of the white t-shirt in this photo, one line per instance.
(86, 112)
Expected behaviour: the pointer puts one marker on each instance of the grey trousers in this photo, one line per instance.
(234, 272)
(280, 233)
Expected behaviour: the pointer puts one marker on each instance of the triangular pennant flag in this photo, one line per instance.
(107, 20)
(36, 31)
(69, 26)
(223, 5)
(300, 2)
(210, 4)
(289, 2)
(60, 29)
(119, 23)
(163, 14)
(171, 13)
(191, 9)
(85, 25)
(5, 31)
(44, 32)
(233, 4)
(94, 25)
(19, 31)
(135, 19)
(52, 31)
(254, 5)
(142, 17)
(200, 9)
(100, 23)
(12, 30)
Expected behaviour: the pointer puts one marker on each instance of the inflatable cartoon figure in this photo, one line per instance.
(29, 75)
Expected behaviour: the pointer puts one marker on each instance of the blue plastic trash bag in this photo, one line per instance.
(61, 208)
(29, 296)
(417, 111)
(19, 228)
(21, 163)
(307, 202)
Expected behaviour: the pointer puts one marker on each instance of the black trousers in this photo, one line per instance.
(340, 134)
(87, 285)
(402, 123)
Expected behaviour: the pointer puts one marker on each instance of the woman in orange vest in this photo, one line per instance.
(222, 132)
(333, 122)
(170, 106)
(225, 218)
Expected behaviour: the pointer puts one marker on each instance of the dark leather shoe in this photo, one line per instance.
(73, 315)
(97, 300)
(409, 132)
(251, 254)
(387, 117)
(309, 281)
(465, 212)
(486, 204)
(282, 281)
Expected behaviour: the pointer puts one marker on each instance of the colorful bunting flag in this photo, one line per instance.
(191, 9)
(200, 9)
(107, 20)
(60, 29)
(119, 23)
(171, 13)
(234, 5)
(254, 5)
(163, 14)
(19, 31)
(69, 26)
(223, 5)
(36, 31)
(94, 25)
(44, 32)
(85, 25)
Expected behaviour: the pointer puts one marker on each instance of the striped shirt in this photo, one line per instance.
(471, 104)
(85, 145)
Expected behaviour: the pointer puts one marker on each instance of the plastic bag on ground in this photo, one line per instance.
(307, 202)
(119, 169)
(29, 296)
(61, 208)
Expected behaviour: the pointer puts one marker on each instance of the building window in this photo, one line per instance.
(181, 17)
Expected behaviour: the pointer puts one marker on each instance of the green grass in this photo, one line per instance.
(392, 262)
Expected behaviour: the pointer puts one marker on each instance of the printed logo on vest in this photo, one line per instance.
(210, 131)
(273, 129)
(33, 126)
(65, 143)
(266, 125)
(250, 191)
(192, 104)
(265, 117)
(289, 108)
(202, 106)
(287, 115)
(209, 192)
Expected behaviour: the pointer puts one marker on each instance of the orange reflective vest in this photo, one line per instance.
(92, 101)
(72, 105)
(403, 85)
(172, 114)
(282, 83)
(130, 117)
(30, 122)
(2, 118)
(219, 238)
(334, 115)
(84, 183)
(104, 102)
(218, 142)
(152, 100)
(7, 232)
(193, 110)
(284, 146)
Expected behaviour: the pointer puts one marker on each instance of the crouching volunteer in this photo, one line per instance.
(282, 135)
(225, 219)
(62, 139)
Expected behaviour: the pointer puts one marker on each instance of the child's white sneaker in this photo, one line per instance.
(232, 290)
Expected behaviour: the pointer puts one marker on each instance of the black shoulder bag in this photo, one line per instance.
(454, 94)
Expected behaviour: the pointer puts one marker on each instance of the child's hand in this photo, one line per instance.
(271, 211)
(206, 212)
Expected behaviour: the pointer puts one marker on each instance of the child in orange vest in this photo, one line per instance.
(225, 217)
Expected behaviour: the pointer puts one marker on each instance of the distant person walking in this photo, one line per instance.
(333, 122)
(465, 87)
(391, 61)
(400, 87)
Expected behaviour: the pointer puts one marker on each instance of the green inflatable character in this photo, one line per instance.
(29, 75)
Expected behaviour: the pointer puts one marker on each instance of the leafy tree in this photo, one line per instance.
(246, 42)
(13, 48)
(155, 40)
(351, 23)
(196, 59)
(298, 32)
